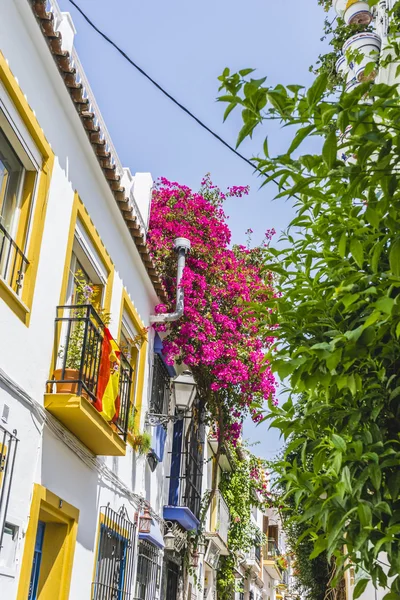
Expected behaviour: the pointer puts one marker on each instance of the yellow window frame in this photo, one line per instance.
(22, 305)
(128, 307)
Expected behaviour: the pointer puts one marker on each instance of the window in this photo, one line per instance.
(8, 449)
(114, 568)
(148, 572)
(18, 174)
(187, 459)
(26, 163)
(160, 390)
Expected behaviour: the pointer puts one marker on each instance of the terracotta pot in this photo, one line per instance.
(67, 385)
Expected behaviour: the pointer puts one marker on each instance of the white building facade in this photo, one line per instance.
(80, 365)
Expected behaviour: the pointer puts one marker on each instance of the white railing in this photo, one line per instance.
(222, 517)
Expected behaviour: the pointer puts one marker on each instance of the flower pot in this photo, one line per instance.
(357, 13)
(368, 45)
(67, 385)
(345, 69)
(339, 6)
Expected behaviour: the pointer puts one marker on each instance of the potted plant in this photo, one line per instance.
(68, 375)
(361, 50)
(140, 442)
(357, 13)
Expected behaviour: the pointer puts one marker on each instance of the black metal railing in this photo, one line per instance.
(257, 553)
(148, 571)
(160, 389)
(8, 451)
(80, 345)
(190, 478)
(13, 262)
(115, 556)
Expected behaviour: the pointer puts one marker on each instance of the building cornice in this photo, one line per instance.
(69, 68)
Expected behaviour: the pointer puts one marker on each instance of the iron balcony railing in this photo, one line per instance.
(115, 556)
(81, 359)
(8, 451)
(13, 262)
(220, 510)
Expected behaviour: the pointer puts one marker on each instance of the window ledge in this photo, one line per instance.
(13, 300)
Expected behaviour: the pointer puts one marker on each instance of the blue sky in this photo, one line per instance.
(185, 45)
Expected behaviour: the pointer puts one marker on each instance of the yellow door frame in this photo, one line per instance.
(61, 520)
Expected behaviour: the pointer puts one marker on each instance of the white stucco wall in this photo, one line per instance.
(25, 352)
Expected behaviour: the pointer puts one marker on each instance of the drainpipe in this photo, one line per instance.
(181, 247)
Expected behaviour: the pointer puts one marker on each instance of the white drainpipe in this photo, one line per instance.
(181, 247)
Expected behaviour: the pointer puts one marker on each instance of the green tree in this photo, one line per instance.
(338, 313)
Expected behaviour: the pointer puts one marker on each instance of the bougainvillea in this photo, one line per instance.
(219, 336)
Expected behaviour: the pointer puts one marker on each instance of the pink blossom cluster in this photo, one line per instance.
(218, 332)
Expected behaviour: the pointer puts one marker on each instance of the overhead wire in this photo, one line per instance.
(167, 94)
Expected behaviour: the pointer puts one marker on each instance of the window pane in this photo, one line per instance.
(11, 178)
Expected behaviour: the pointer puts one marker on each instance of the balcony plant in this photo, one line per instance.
(140, 442)
(67, 377)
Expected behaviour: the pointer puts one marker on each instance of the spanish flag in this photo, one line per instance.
(108, 400)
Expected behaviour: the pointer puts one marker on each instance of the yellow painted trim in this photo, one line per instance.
(44, 505)
(22, 306)
(79, 212)
(128, 306)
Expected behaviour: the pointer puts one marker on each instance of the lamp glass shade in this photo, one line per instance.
(184, 390)
(169, 540)
(145, 521)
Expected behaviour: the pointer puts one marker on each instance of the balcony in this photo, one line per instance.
(219, 523)
(13, 262)
(90, 393)
(252, 559)
(271, 553)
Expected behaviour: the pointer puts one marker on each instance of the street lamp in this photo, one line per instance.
(184, 391)
(169, 537)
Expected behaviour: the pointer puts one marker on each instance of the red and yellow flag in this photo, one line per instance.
(108, 400)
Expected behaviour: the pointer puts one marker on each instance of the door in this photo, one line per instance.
(172, 581)
(37, 560)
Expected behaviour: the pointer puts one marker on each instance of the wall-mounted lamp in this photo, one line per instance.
(184, 391)
(145, 521)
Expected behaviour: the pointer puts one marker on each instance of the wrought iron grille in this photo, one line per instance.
(79, 347)
(191, 463)
(8, 451)
(13, 262)
(172, 581)
(160, 389)
(148, 571)
(257, 553)
(115, 556)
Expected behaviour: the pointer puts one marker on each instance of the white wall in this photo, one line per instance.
(25, 353)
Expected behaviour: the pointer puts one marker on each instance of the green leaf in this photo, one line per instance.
(394, 257)
(372, 217)
(329, 150)
(317, 89)
(360, 587)
(365, 514)
(357, 251)
(299, 137)
(342, 245)
(394, 485)
(339, 443)
(376, 475)
(385, 305)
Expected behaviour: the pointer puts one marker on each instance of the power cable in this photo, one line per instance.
(167, 94)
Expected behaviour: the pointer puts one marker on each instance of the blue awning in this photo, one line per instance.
(154, 537)
(183, 515)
